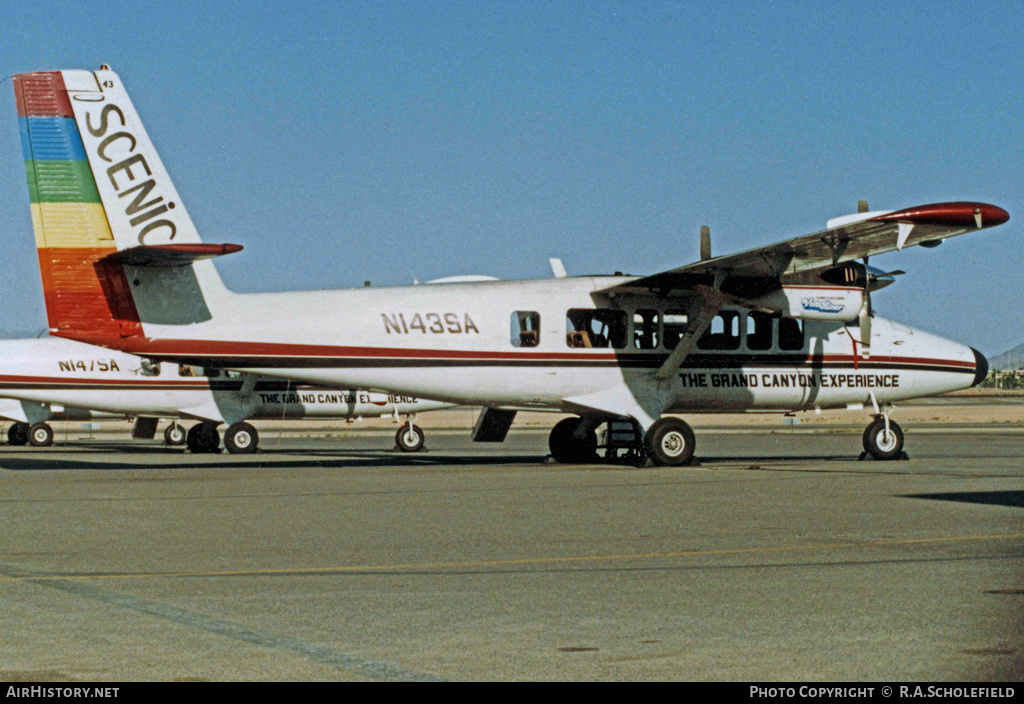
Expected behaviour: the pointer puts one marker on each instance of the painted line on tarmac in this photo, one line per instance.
(13, 576)
(345, 661)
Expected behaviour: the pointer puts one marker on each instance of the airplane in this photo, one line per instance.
(46, 377)
(780, 328)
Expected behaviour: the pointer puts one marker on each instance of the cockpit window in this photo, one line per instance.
(791, 334)
(759, 330)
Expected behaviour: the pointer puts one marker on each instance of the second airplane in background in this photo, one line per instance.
(44, 376)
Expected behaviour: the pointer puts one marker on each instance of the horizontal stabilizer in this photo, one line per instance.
(171, 255)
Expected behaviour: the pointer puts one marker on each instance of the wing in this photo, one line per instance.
(846, 239)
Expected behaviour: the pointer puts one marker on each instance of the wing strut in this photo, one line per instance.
(713, 302)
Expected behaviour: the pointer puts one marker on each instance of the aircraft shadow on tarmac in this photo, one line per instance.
(998, 498)
(264, 459)
(78, 458)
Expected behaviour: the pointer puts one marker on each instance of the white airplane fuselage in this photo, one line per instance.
(49, 372)
(461, 343)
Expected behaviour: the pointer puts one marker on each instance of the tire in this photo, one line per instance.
(669, 442)
(17, 434)
(241, 439)
(174, 435)
(40, 435)
(566, 448)
(878, 445)
(203, 438)
(409, 438)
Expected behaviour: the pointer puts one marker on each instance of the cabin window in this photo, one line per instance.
(645, 329)
(585, 327)
(723, 333)
(759, 330)
(150, 368)
(674, 327)
(791, 334)
(525, 328)
(187, 370)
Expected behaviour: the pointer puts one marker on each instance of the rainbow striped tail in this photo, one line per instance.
(83, 291)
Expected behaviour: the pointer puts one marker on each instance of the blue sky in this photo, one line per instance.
(391, 141)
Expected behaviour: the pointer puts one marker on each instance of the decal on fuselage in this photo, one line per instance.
(822, 305)
(320, 397)
(435, 323)
(776, 380)
(92, 365)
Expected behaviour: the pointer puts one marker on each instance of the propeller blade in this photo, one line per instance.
(882, 275)
(864, 317)
(864, 321)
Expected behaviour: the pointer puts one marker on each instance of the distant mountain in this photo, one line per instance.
(1011, 359)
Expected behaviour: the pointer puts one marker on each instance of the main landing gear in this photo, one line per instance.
(669, 442)
(574, 441)
(239, 438)
(37, 434)
(203, 438)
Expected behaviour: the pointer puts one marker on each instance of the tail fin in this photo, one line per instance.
(105, 213)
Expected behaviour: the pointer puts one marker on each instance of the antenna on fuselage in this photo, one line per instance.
(705, 242)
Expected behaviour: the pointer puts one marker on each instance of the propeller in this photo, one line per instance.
(873, 280)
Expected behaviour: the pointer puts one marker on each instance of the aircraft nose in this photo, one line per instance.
(980, 367)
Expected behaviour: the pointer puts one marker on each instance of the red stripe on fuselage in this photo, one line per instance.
(289, 351)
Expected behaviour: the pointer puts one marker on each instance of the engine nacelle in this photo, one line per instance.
(814, 302)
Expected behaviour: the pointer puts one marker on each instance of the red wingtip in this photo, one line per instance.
(958, 214)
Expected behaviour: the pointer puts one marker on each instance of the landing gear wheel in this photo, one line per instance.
(241, 439)
(203, 438)
(669, 442)
(409, 438)
(174, 435)
(567, 448)
(17, 434)
(882, 445)
(40, 435)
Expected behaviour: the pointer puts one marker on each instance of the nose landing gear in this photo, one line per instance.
(883, 438)
(409, 437)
